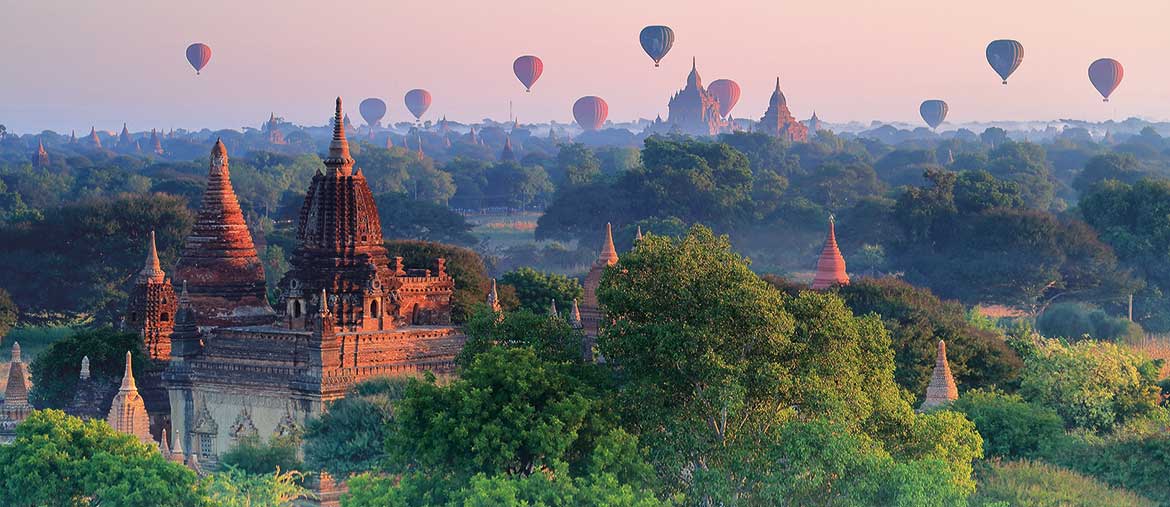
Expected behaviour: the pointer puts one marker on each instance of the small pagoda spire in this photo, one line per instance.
(389, 142)
(493, 298)
(942, 389)
(127, 411)
(608, 252)
(575, 316)
(177, 453)
(41, 158)
(128, 383)
(151, 272)
(420, 150)
(552, 309)
(16, 406)
(94, 140)
(164, 447)
(339, 162)
(507, 155)
(72, 136)
(15, 352)
(324, 309)
(84, 368)
(830, 265)
(638, 234)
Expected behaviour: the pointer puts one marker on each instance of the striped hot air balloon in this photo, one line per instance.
(933, 112)
(1005, 57)
(372, 110)
(418, 101)
(590, 112)
(198, 54)
(528, 69)
(656, 41)
(727, 92)
(1105, 74)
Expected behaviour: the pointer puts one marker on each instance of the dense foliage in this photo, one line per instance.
(55, 371)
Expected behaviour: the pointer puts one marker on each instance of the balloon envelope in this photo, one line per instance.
(1105, 74)
(528, 69)
(372, 109)
(590, 112)
(198, 54)
(417, 101)
(933, 112)
(1005, 57)
(727, 92)
(656, 41)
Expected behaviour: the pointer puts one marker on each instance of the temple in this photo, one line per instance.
(152, 306)
(92, 139)
(271, 128)
(506, 155)
(127, 411)
(830, 265)
(15, 408)
(778, 120)
(590, 309)
(41, 157)
(941, 389)
(693, 110)
(125, 143)
(219, 263)
(346, 312)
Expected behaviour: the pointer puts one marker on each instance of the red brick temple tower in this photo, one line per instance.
(590, 308)
(152, 306)
(831, 265)
(694, 110)
(219, 263)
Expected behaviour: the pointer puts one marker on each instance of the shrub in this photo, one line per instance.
(1010, 427)
(1074, 321)
(1039, 484)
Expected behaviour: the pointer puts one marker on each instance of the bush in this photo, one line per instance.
(255, 456)
(1136, 460)
(1011, 427)
(1038, 484)
(1093, 385)
(1074, 321)
(537, 290)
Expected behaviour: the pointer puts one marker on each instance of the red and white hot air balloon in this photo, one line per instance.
(528, 69)
(590, 112)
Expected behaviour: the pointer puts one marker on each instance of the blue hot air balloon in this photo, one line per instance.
(933, 112)
(1005, 57)
(656, 41)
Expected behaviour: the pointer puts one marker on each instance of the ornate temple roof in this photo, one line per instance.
(942, 389)
(507, 155)
(777, 98)
(219, 262)
(16, 391)
(152, 270)
(127, 411)
(830, 265)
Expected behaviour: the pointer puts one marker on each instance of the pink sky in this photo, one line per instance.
(67, 64)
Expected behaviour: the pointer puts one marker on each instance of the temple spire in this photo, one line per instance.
(575, 316)
(942, 389)
(128, 383)
(552, 309)
(638, 235)
(84, 368)
(152, 270)
(493, 298)
(339, 162)
(127, 411)
(507, 155)
(608, 252)
(830, 265)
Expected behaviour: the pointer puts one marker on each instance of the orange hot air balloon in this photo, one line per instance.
(418, 101)
(528, 69)
(590, 112)
(727, 92)
(198, 54)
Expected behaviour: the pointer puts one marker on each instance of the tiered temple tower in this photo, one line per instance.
(942, 389)
(590, 308)
(830, 265)
(219, 262)
(125, 143)
(89, 395)
(127, 411)
(694, 110)
(152, 306)
(507, 155)
(41, 157)
(15, 408)
(778, 120)
(92, 139)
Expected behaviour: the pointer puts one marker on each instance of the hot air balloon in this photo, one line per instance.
(727, 91)
(417, 101)
(656, 41)
(528, 69)
(372, 109)
(198, 54)
(590, 112)
(1005, 57)
(933, 112)
(1105, 74)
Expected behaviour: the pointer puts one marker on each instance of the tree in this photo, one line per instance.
(254, 456)
(1036, 483)
(8, 313)
(512, 185)
(978, 191)
(463, 264)
(55, 371)
(1092, 385)
(61, 460)
(551, 338)
(1123, 167)
(1011, 427)
(349, 437)
(576, 164)
(235, 488)
(406, 218)
(97, 245)
(537, 290)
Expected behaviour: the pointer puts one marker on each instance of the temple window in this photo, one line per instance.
(296, 309)
(164, 317)
(206, 446)
(374, 308)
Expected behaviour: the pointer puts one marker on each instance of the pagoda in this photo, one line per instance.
(694, 110)
(41, 157)
(271, 127)
(830, 265)
(127, 411)
(152, 306)
(778, 120)
(590, 308)
(507, 155)
(219, 262)
(89, 395)
(92, 139)
(125, 142)
(156, 142)
(15, 408)
(942, 389)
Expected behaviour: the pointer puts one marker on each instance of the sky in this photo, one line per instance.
(67, 64)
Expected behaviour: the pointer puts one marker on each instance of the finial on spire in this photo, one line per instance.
(552, 309)
(84, 368)
(339, 161)
(608, 252)
(493, 298)
(324, 310)
(777, 83)
(128, 377)
(152, 270)
(16, 352)
(693, 64)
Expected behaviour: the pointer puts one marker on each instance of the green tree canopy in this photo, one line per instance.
(537, 289)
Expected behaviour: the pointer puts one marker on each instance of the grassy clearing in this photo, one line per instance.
(1041, 485)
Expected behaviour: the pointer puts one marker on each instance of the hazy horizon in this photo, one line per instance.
(105, 64)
